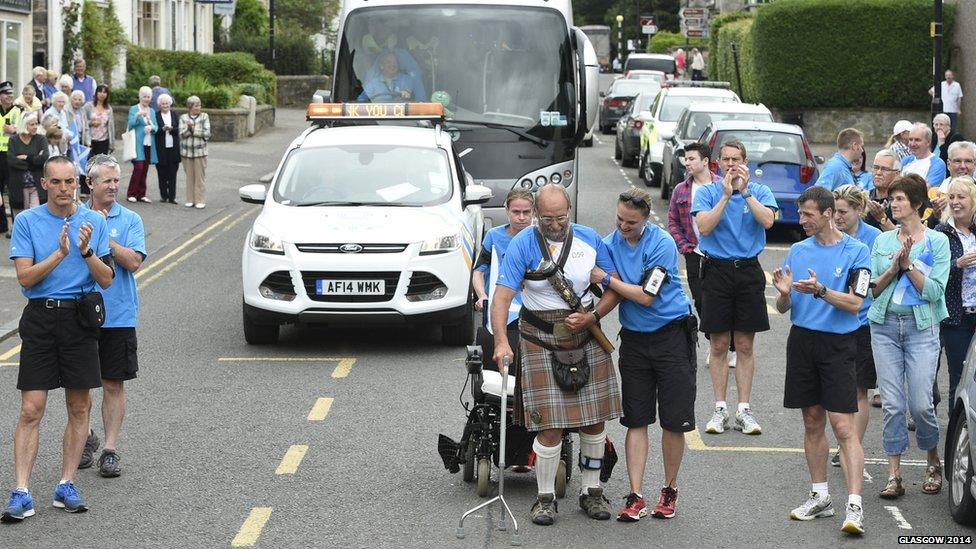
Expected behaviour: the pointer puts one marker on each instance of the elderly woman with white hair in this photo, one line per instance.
(26, 154)
(194, 135)
(142, 120)
(59, 108)
(66, 84)
(79, 128)
(944, 136)
(167, 148)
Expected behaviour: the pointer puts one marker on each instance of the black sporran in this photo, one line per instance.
(570, 369)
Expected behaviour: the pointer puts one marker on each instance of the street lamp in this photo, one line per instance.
(620, 46)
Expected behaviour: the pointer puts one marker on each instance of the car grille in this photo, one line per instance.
(280, 283)
(336, 248)
(422, 283)
(390, 279)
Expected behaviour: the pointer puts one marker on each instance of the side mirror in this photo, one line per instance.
(665, 135)
(819, 159)
(322, 96)
(476, 194)
(254, 194)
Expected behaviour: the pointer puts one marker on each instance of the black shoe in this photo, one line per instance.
(88, 454)
(544, 510)
(108, 464)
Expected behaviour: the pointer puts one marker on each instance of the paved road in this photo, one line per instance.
(328, 439)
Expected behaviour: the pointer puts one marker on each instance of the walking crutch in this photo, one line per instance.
(503, 524)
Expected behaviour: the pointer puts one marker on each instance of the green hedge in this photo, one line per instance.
(294, 53)
(737, 32)
(219, 70)
(846, 53)
(714, 28)
(221, 97)
(663, 41)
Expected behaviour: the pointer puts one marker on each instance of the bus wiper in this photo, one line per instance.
(345, 203)
(542, 143)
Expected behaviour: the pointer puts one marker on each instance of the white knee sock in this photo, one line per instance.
(546, 465)
(593, 447)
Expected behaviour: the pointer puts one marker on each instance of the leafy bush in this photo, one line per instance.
(294, 52)
(220, 97)
(885, 61)
(250, 19)
(713, 31)
(663, 41)
(739, 33)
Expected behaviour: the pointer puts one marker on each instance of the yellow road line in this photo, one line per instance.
(178, 249)
(769, 277)
(251, 529)
(343, 368)
(320, 409)
(5, 364)
(695, 442)
(293, 458)
(771, 310)
(284, 359)
(10, 353)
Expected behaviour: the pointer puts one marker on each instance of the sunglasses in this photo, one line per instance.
(635, 200)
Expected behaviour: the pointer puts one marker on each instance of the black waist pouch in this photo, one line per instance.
(570, 368)
(91, 310)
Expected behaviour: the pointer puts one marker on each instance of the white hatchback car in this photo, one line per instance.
(364, 224)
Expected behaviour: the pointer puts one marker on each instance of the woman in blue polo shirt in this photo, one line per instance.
(657, 350)
(910, 269)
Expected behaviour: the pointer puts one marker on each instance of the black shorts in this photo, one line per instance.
(56, 351)
(867, 376)
(733, 296)
(117, 353)
(821, 369)
(658, 368)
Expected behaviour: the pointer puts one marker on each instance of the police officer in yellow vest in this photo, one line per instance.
(10, 115)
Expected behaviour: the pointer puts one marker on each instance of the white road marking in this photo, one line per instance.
(899, 518)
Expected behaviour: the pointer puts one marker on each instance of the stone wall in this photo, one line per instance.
(823, 125)
(296, 91)
(225, 124)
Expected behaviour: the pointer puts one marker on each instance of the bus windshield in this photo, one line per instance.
(510, 66)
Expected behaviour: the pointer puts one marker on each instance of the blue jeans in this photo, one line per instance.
(904, 354)
(957, 339)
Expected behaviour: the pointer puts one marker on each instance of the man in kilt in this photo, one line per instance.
(552, 396)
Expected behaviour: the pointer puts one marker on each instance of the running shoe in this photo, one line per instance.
(634, 509)
(854, 523)
(108, 464)
(814, 507)
(66, 497)
(665, 504)
(835, 459)
(595, 504)
(544, 510)
(746, 422)
(21, 506)
(719, 422)
(88, 454)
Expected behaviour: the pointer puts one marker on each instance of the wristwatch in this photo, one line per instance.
(596, 315)
(910, 268)
(745, 194)
(819, 294)
(605, 281)
(88, 254)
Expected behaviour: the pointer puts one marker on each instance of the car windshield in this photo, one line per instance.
(644, 101)
(501, 65)
(630, 88)
(645, 76)
(698, 121)
(674, 104)
(663, 64)
(765, 147)
(364, 175)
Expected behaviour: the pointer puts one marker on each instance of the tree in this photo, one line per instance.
(312, 16)
(665, 13)
(250, 19)
(101, 37)
(70, 13)
(591, 12)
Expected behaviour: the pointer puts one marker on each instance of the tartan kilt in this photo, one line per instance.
(541, 403)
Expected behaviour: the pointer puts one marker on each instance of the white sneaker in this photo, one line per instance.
(145, 199)
(719, 422)
(131, 199)
(189, 204)
(814, 507)
(732, 359)
(201, 206)
(745, 422)
(854, 523)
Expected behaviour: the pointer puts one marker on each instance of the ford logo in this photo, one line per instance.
(350, 248)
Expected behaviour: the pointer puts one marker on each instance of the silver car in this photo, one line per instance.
(961, 446)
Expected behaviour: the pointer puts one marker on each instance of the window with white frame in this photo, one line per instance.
(148, 15)
(11, 50)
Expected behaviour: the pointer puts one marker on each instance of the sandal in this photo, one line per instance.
(933, 480)
(876, 400)
(893, 489)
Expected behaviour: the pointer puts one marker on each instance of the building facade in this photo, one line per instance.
(15, 39)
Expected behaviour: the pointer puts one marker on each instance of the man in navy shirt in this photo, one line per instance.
(839, 169)
(733, 215)
(821, 351)
(117, 345)
(60, 251)
(657, 350)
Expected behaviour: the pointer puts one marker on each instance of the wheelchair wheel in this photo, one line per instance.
(467, 472)
(561, 479)
(484, 475)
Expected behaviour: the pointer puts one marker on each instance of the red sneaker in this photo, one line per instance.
(665, 504)
(633, 509)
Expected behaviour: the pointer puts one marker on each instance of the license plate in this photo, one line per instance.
(350, 287)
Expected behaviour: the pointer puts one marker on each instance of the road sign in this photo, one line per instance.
(687, 13)
(696, 33)
(647, 24)
(695, 23)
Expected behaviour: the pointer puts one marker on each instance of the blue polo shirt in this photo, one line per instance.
(36, 234)
(833, 265)
(655, 248)
(499, 239)
(121, 300)
(836, 172)
(866, 235)
(738, 235)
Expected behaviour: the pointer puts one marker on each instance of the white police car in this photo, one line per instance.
(369, 223)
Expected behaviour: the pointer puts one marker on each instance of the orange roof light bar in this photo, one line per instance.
(375, 111)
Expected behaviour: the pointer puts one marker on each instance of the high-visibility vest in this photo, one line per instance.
(12, 117)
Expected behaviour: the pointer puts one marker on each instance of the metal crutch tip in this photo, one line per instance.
(502, 526)
(460, 533)
(516, 540)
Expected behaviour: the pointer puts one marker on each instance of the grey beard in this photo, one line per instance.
(556, 235)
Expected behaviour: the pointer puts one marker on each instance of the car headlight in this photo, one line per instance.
(440, 245)
(262, 241)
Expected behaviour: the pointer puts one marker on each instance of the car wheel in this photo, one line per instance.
(645, 170)
(962, 506)
(587, 142)
(461, 333)
(628, 159)
(617, 153)
(259, 334)
(656, 179)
